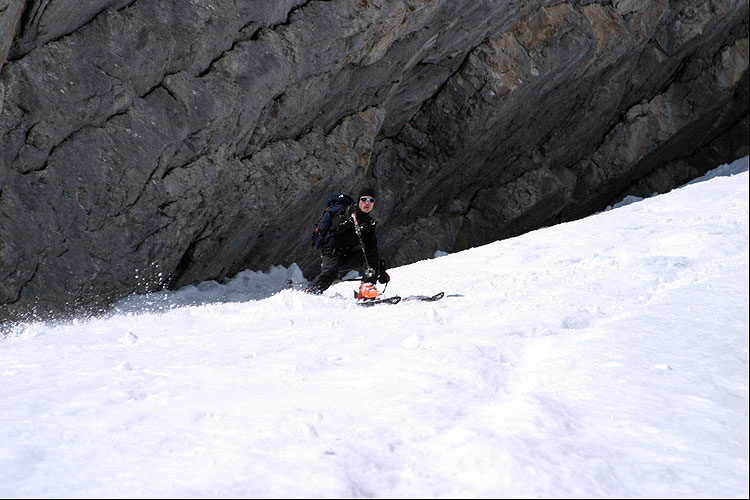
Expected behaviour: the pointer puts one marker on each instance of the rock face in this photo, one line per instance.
(150, 143)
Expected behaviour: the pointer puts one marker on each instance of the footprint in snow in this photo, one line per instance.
(413, 342)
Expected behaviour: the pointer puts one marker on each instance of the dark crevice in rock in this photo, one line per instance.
(183, 265)
(254, 36)
(29, 280)
(677, 75)
(115, 115)
(188, 258)
(126, 6)
(139, 245)
(43, 166)
(25, 22)
(160, 85)
(31, 16)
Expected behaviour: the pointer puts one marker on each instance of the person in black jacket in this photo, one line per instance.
(342, 252)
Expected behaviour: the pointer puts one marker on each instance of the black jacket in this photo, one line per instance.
(344, 240)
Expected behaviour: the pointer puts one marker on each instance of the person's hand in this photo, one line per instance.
(348, 219)
(384, 278)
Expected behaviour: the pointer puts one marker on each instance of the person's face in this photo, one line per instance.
(366, 204)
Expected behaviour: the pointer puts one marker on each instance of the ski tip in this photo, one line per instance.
(425, 298)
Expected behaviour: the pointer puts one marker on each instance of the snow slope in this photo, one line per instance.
(606, 357)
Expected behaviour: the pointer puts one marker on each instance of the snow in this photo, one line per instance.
(606, 357)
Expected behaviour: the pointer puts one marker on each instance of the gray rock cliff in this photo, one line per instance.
(152, 143)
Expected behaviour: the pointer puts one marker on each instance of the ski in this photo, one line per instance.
(385, 300)
(410, 298)
(374, 302)
(425, 298)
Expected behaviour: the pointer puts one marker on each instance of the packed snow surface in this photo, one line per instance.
(606, 357)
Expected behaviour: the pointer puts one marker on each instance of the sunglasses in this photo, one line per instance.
(367, 200)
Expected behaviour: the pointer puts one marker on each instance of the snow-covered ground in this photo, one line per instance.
(606, 357)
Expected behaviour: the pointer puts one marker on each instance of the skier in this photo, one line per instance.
(342, 252)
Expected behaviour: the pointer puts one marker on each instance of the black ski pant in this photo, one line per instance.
(334, 266)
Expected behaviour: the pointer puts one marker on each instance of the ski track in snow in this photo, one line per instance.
(606, 357)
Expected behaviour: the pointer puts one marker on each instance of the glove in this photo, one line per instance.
(369, 276)
(348, 219)
(383, 278)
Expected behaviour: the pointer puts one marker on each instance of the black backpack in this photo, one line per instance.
(336, 202)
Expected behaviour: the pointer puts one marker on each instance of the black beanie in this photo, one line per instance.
(367, 191)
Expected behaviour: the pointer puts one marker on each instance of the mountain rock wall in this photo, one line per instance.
(151, 143)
